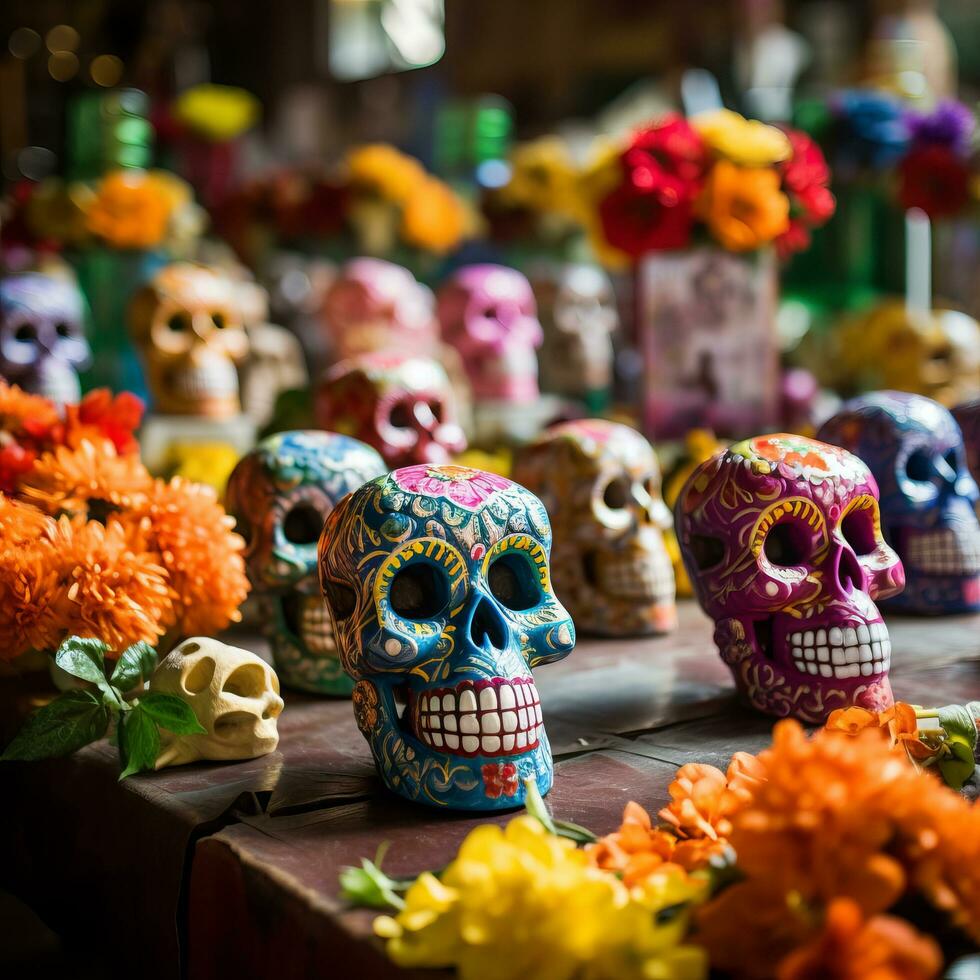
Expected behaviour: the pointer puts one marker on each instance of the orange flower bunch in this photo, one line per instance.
(131, 209)
(92, 545)
(833, 834)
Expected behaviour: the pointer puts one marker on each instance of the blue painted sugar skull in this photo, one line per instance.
(914, 448)
(438, 581)
(280, 495)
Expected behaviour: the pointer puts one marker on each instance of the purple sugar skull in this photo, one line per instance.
(488, 313)
(42, 335)
(782, 541)
(915, 450)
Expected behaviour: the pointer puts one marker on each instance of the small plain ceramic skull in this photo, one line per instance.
(782, 541)
(401, 404)
(280, 494)
(577, 307)
(234, 695)
(915, 450)
(438, 583)
(488, 313)
(600, 482)
(187, 324)
(375, 305)
(42, 335)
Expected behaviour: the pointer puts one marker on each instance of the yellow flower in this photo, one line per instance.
(519, 902)
(59, 211)
(380, 169)
(217, 112)
(743, 141)
(542, 178)
(433, 217)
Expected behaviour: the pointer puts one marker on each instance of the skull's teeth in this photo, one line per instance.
(498, 717)
(650, 577)
(314, 626)
(947, 551)
(214, 380)
(858, 650)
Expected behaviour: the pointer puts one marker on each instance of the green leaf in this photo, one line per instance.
(169, 712)
(534, 805)
(139, 741)
(84, 658)
(136, 664)
(65, 725)
(574, 831)
(958, 767)
(369, 887)
(957, 721)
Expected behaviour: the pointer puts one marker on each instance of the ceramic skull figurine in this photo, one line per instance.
(967, 417)
(578, 312)
(915, 450)
(42, 335)
(280, 494)
(234, 695)
(781, 539)
(438, 583)
(188, 326)
(488, 313)
(401, 404)
(374, 305)
(600, 482)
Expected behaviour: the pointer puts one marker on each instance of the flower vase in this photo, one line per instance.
(706, 330)
(108, 278)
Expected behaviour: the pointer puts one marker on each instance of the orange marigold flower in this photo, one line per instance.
(701, 802)
(24, 413)
(898, 724)
(743, 207)
(850, 947)
(105, 588)
(19, 523)
(851, 720)
(636, 850)
(187, 529)
(433, 217)
(130, 210)
(378, 168)
(91, 481)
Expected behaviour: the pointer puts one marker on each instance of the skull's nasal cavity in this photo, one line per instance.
(487, 622)
(849, 574)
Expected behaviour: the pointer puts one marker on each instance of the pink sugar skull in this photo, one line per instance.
(781, 538)
(373, 305)
(402, 405)
(488, 313)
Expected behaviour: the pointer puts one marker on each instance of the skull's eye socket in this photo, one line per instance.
(26, 333)
(786, 545)
(341, 598)
(858, 528)
(201, 674)
(247, 681)
(918, 466)
(401, 416)
(219, 320)
(512, 583)
(707, 551)
(63, 330)
(302, 524)
(178, 323)
(419, 591)
(617, 494)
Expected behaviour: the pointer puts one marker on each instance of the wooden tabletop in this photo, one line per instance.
(239, 862)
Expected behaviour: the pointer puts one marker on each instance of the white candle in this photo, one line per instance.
(918, 262)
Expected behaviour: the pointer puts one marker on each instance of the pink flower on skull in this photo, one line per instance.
(463, 486)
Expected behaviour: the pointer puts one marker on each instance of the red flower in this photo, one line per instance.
(805, 176)
(98, 413)
(795, 239)
(672, 146)
(934, 179)
(499, 779)
(650, 210)
(15, 462)
(816, 203)
(806, 166)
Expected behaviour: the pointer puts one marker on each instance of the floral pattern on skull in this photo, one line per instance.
(600, 482)
(781, 538)
(438, 583)
(280, 495)
(915, 450)
(402, 405)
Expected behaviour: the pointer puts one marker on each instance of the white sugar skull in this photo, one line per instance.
(234, 695)
(42, 335)
(915, 450)
(578, 312)
(376, 305)
(187, 323)
(488, 313)
(280, 494)
(600, 482)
